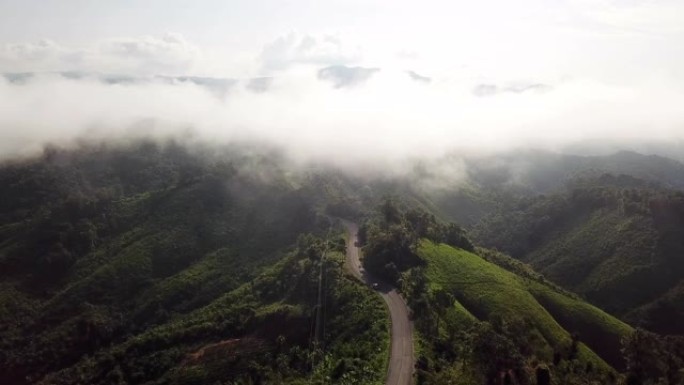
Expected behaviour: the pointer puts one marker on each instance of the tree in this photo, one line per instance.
(640, 352)
(494, 353)
(543, 375)
(390, 211)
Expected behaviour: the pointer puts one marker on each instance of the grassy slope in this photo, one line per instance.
(487, 290)
(617, 241)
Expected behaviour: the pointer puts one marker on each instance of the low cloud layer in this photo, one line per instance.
(385, 118)
(417, 77)
(354, 84)
(343, 76)
(493, 89)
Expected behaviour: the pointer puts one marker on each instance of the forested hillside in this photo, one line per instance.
(155, 262)
(617, 240)
(117, 263)
(483, 317)
(491, 184)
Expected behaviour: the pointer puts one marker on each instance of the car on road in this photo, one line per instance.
(375, 285)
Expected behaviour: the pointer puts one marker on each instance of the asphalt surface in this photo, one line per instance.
(400, 370)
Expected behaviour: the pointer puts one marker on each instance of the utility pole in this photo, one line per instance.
(319, 305)
(319, 319)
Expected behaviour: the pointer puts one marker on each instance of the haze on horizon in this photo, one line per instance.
(357, 80)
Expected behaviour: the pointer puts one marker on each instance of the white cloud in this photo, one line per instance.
(418, 77)
(307, 49)
(40, 56)
(343, 76)
(486, 89)
(557, 72)
(33, 51)
(636, 17)
(169, 54)
(388, 118)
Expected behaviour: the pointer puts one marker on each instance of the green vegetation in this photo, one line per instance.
(653, 359)
(150, 263)
(390, 239)
(615, 240)
(260, 332)
(164, 264)
(481, 318)
(525, 321)
(488, 291)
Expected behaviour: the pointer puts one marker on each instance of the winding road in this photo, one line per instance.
(400, 370)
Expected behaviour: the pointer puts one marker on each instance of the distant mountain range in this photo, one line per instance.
(220, 85)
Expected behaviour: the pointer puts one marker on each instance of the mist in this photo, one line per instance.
(383, 117)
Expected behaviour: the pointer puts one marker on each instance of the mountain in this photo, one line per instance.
(606, 227)
(161, 263)
(542, 322)
(152, 263)
(617, 240)
(219, 86)
(544, 172)
(481, 315)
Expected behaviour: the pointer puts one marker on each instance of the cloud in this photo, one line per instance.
(408, 55)
(486, 89)
(33, 51)
(343, 76)
(259, 84)
(218, 86)
(39, 56)
(169, 54)
(534, 87)
(293, 48)
(633, 17)
(382, 121)
(419, 78)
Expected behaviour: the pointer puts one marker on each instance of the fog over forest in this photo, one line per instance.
(342, 192)
(345, 116)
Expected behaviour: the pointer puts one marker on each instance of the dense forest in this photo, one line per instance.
(157, 262)
(151, 263)
(617, 240)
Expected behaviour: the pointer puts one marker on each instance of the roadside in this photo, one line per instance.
(401, 363)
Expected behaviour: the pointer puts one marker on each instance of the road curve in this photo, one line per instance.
(400, 370)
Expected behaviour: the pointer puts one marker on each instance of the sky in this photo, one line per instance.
(372, 78)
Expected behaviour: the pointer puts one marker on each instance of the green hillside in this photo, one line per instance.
(615, 240)
(481, 315)
(551, 317)
(149, 262)
(118, 263)
(259, 332)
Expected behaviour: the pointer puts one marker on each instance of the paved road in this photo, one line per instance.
(400, 371)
